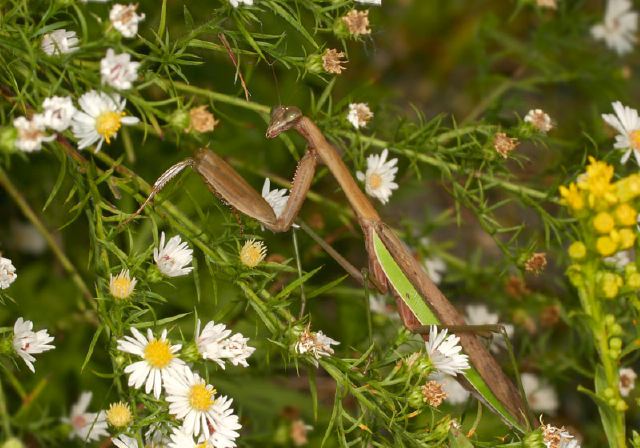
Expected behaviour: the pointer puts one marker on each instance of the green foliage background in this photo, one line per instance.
(441, 77)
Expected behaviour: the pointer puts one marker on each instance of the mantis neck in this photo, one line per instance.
(330, 157)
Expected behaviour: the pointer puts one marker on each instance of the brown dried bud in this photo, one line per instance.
(536, 263)
(549, 4)
(332, 60)
(357, 22)
(504, 144)
(550, 315)
(433, 394)
(201, 120)
(516, 287)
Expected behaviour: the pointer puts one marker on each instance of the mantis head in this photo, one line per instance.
(283, 118)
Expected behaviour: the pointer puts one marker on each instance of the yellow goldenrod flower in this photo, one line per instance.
(572, 196)
(603, 222)
(252, 253)
(577, 250)
(119, 414)
(628, 188)
(610, 284)
(597, 182)
(606, 246)
(626, 214)
(627, 238)
(633, 280)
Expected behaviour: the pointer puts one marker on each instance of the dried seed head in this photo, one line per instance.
(536, 263)
(201, 120)
(433, 394)
(332, 60)
(504, 144)
(357, 22)
(252, 253)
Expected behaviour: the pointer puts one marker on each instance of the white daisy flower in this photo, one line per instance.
(480, 315)
(435, 268)
(31, 133)
(86, 426)
(541, 396)
(456, 394)
(26, 342)
(359, 115)
(277, 198)
(236, 3)
(445, 352)
(619, 28)
(156, 437)
(125, 19)
(558, 437)
(25, 238)
(58, 112)
(193, 401)
(215, 343)
(118, 71)
(124, 441)
(627, 380)
(172, 259)
(379, 178)
(159, 359)
(627, 122)
(378, 305)
(100, 119)
(314, 343)
(370, 2)
(59, 42)
(122, 285)
(539, 119)
(236, 350)
(7, 273)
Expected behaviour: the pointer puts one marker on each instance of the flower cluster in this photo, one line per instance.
(205, 416)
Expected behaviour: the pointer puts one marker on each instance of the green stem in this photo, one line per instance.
(4, 413)
(592, 306)
(448, 166)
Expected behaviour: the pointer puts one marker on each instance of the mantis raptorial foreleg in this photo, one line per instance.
(391, 263)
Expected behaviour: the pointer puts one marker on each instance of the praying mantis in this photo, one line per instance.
(391, 264)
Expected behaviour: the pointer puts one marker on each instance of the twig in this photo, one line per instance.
(224, 41)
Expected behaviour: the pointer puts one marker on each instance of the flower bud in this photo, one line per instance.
(153, 274)
(179, 120)
(313, 63)
(577, 250)
(415, 399)
(534, 440)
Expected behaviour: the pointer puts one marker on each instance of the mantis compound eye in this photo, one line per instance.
(283, 118)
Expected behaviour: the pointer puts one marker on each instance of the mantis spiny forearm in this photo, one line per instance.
(391, 264)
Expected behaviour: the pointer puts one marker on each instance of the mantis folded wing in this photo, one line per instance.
(392, 265)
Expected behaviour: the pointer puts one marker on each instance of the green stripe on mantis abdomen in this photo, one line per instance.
(410, 296)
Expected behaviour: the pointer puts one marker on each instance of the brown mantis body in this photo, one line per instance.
(226, 183)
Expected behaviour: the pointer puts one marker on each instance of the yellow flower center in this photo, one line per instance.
(201, 398)
(634, 138)
(108, 124)
(158, 354)
(120, 287)
(202, 445)
(375, 181)
(119, 414)
(252, 253)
